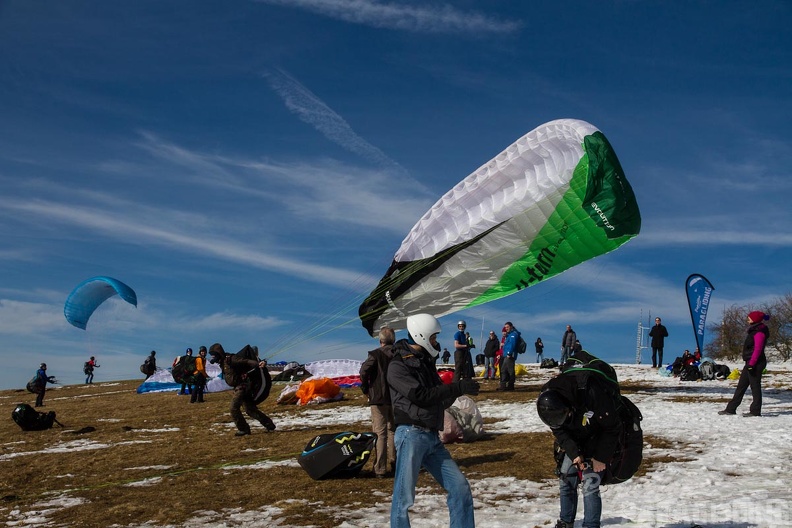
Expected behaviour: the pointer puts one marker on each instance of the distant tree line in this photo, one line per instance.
(730, 332)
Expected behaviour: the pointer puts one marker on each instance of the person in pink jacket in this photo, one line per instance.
(755, 363)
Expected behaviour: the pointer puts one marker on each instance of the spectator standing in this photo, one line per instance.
(755, 363)
(189, 361)
(508, 359)
(490, 350)
(446, 356)
(587, 430)
(567, 344)
(461, 353)
(539, 350)
(658, 333)
(419, 400)
(374, 384)
(199, 377)
(88, 369)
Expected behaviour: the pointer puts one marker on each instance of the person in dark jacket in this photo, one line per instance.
(374, 384)
(419, 400)
(567, 344)
(88, 369)
(461, 353)
(658, 333)
(490, 349)
(38, 384)
(755, 363)
(583, 419)
(539, 346)
(235, 372)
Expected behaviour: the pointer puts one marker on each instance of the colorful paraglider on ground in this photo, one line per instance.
(89, 294)
(553, 199)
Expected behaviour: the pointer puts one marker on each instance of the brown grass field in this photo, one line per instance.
(190, 459)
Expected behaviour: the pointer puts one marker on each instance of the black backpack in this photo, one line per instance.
(521, 346)
(30, 419)
(337, 455)
(629, 451)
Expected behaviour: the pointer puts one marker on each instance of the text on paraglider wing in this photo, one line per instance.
(544, 262)
(602, 215)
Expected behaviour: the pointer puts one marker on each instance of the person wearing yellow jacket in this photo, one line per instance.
(199, 377)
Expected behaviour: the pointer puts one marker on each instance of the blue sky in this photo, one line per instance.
(250, 168)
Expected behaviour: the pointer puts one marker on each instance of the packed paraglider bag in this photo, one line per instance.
(34, 385)
(337, 455)
(30, 419)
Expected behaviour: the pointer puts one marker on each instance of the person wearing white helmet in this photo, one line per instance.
(419, 400)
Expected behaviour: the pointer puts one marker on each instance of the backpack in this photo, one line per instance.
(722, 371)
(337, 455)
(707, 371)
(30, 419)
(689, 373)
(629, 450)
(146, 368)
(87, 368)
(521, 346)
(548, 363)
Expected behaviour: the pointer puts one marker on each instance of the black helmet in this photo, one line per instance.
(553, 409)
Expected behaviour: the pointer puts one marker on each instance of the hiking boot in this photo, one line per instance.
(748, 414)
(562, 524)
(242, 433)
(726, 412)
(268, 424)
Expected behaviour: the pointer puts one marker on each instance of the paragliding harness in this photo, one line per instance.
(147, 368)
(87, 368)
(629, 450)
(337, 455)
(30, 419)
(257, 381)
(183, 368)
(36, 385)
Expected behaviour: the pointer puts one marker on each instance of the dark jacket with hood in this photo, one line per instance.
(234, 366)
(492, 346)
(418, 396)
(594, 428)
(374, 376)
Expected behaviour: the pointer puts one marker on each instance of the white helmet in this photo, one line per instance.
(421, 327)
(462, 323)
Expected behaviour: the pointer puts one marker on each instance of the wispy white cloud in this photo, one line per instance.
(418, 18)
(312, 110)
(323, 190)
(137, 227)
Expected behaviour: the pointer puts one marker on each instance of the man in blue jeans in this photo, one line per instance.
(586, 427)
(419, 400)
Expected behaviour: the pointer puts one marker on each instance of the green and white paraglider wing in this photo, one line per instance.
(553, 199)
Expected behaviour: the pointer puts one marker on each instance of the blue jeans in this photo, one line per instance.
(565, 354)
(592, 503)
(489, 367)
(415, 448)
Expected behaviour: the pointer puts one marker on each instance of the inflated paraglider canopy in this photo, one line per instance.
(89, 294)
(553, 199)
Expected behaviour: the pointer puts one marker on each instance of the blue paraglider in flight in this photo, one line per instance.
(89, 294)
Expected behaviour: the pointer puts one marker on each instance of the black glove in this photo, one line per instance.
(468, 386)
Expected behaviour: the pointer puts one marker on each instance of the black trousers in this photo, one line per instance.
(749, 380)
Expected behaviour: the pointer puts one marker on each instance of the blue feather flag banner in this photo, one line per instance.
(699, 291)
